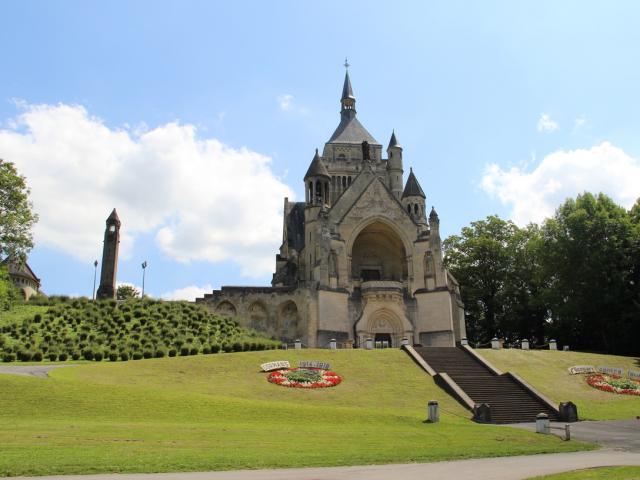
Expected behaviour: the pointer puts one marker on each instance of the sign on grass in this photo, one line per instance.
(611, 371)
(314, 364)
(279, 365)
(576, 369)
(635, 374)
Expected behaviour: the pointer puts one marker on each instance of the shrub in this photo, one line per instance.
(37, 356)
(53, 356)
(236, 346)
(124, 356)
(9, 357)
(113, 356)
(184, 351)
(136, 355)
(226, 348)
(206, 350)
(161, 352)
(24, 355)
(193, 351)
(97, 356)
(147, 354)
(215, 348)
(172, 352)
(87, 354)
(63, 356)
(37, 318)
(75, 355)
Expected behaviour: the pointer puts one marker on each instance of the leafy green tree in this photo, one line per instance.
(16, 213)
(126, 292)
(9, 294)
(591, 251)
(480, 259)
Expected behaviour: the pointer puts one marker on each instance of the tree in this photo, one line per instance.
(16, 215)
(591, 249)
(480, 259)
(125, 292)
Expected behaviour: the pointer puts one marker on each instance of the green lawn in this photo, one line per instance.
(608, 473)
(20, 313)
(547, 371)
(213, 412)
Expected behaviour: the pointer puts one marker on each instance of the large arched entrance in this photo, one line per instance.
(378, 254)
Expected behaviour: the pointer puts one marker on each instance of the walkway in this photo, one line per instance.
(41, 371)
(503, 468)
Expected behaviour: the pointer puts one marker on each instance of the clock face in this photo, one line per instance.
(112, 228)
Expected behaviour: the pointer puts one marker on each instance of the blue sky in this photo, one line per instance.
(195, 118)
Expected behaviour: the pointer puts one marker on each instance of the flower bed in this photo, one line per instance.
(304, 378)
(614, 384)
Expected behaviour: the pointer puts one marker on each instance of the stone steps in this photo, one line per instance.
(510, 402)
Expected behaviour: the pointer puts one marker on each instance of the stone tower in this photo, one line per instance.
(109, 268)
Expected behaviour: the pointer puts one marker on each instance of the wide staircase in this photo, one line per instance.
(509, 401)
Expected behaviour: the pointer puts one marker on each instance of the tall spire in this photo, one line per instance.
(348, 100)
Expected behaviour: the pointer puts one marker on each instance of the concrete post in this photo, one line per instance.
(333, 344)
(542, 423)
(565, 348)
(433, 413)
(567, 432)
(298, 344)
(553, 345)
(464, 341)
(404, 341)
(525, 344)
(368, 344)
(495, 343)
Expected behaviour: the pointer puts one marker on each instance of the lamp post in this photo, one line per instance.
(144, 269)
(95, 271)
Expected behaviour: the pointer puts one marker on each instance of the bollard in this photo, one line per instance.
(433, 412)
(495, 343)
(525, 344)
(464, 341)
(565, 348)
(553, 345)
(404, 341)
(542, 423)
(298, 344)
(567, 432)
(333, 344)
(368, 344)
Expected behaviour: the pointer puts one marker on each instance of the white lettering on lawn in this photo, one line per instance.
(314, 364)
(634, 374)
(576, 369)
(279, 365)
(611, 371)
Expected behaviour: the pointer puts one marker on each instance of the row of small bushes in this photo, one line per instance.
(138, 328)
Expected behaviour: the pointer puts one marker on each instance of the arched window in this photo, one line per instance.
(415, 209)
(349, 181)
(408, 208)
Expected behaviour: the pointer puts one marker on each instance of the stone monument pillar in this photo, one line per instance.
(107, 288)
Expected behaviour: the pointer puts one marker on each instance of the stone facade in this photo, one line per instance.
(23, 277)
(109, 268)
(359, 258)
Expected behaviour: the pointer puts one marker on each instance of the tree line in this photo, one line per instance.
(574, 278)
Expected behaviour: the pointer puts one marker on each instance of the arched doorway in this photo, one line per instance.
(226, 309)
(383, 324)
(378, 254)
(288, 321)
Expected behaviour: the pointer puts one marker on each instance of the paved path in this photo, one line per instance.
(41, 371)
(504, 468)
(616, 434)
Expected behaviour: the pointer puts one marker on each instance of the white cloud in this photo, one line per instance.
(285, 102)
(546, 123)
(535, 195)
(203, 199)
(189, 293)
(579, 122)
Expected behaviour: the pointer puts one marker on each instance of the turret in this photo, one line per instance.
(394, 166)
(317, 182)
(109, 267)
(413, 199)
(434, 222)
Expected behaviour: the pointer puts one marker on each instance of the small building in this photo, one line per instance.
(23, 277)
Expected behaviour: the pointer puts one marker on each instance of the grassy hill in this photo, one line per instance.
(547, 371)
(212, 412)
(134, 329)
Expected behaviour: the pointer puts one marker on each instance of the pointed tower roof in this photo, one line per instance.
(412, 188)
(317, 168)
(113, 217)
(393, 142)
(433, 216)
(350, 130)
(347, 91)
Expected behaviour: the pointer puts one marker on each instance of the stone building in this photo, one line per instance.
(23, 277)
(360, 257)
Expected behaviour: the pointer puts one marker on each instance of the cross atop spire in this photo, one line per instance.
(346, 63)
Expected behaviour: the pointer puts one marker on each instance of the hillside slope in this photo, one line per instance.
(212, 412)
(547, 371)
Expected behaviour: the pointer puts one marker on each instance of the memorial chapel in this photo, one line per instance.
(360, 258)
